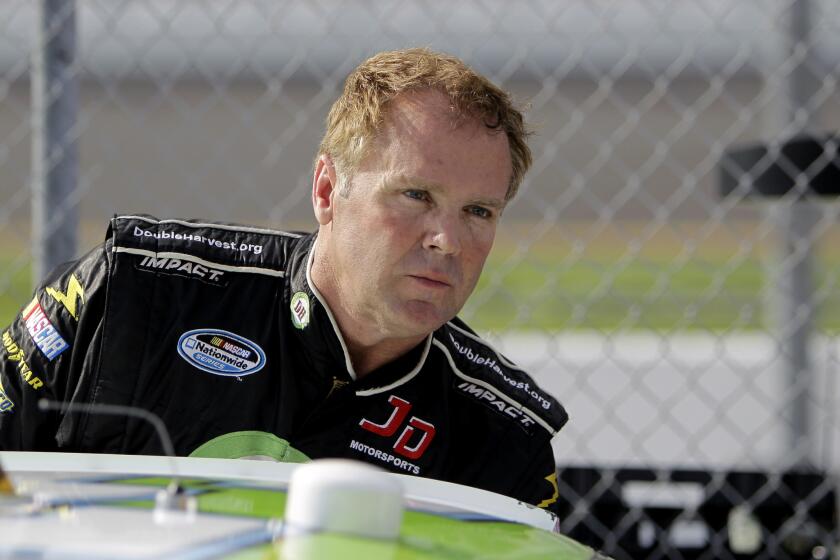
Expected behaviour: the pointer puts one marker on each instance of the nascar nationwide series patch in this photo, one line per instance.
(220, 352)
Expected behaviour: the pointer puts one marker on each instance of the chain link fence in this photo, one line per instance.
(691, 335)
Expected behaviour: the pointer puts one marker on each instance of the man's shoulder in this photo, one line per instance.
(227, 244)
(486, 375)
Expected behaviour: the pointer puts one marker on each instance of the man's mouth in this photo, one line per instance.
(431, 280)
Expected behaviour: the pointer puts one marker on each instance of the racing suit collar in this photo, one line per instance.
(317, 297)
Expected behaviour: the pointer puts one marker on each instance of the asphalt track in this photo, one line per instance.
(692, 400)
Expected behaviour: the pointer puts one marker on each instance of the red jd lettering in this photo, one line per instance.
(391, 425)
(403, 446)
(428, 432)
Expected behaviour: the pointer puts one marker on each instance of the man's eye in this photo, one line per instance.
(416, 195)
(480, 212)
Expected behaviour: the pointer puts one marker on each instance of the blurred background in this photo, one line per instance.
(689, 333)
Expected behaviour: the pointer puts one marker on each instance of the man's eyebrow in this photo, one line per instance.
(491, 202)
(417, 182)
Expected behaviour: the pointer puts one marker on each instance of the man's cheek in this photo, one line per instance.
(473, 263)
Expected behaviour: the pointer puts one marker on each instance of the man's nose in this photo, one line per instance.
(443, 234)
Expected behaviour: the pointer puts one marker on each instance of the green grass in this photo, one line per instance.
(550, 291)
(553, 293)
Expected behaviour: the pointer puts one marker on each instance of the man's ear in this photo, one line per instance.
(324, 187)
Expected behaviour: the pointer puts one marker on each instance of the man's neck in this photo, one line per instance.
(369, 349)
(368, 358)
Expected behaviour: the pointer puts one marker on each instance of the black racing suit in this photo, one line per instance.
(218, 330)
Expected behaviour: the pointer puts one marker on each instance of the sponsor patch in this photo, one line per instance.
(555, 491)
(384, 457)
(6, 404)
(41, 330)
(416, 435)
(15, 354)
(184, 268)
(74, 293)
(220, 352)
(300, 310)
(490, 399)
(190, 237)
(490, 363)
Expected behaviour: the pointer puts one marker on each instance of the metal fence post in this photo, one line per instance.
(55, 158)
(793, 288)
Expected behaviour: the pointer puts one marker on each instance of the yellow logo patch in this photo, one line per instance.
(68, 299)
(552, 479)
(15, 354)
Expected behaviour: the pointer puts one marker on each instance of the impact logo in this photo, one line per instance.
(221, 352)
(43, 333)
(495, 402)
(184, 268)
(300, 310)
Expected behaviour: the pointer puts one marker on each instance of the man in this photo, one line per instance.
(344, 343)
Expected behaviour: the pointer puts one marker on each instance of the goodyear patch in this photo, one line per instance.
(43, 333)
(71, 297)
(15, 354)
(220, 352)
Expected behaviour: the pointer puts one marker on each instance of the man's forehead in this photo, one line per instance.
(429, 116)
(412, 109)
(422, 130)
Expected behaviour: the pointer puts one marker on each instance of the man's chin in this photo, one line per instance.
(421, 318)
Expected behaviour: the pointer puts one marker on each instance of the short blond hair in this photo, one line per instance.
(357, 115)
